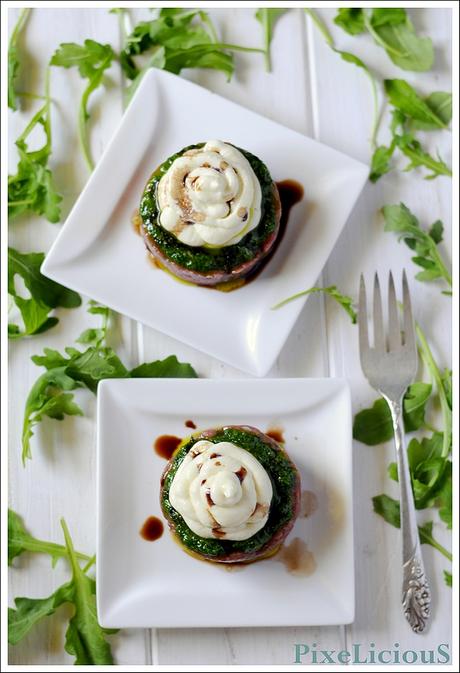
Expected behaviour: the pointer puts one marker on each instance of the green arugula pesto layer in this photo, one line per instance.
(201, 259)
(283, 477)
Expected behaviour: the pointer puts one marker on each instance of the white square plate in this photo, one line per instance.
(156, 584)
(98, 254)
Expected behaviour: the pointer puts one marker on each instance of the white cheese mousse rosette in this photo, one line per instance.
(210, 196)
(221, 491)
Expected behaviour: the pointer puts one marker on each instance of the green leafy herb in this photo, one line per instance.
(374, 425)
(398, 218)
(13, 57)
(267, 18)
(447, 578)
(20, 541)
(380, 163)
(92, 60)
(345, 302)
(433, 113)
(29, 611)
(175, 40)
(52, 393)
(412, 112)
(96, 336)
(440, 104)
(348, 57)
(85, 638)
(31, 189)
(170, 367)
(391, 29)
(388, 508)
(431, 475)
(351, 20)
(420, 158)
(45, 294)
(443, 385)
(49, 396)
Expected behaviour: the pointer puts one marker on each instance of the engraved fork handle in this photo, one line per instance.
(416, 595)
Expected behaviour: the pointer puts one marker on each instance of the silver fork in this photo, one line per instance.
(390, 367)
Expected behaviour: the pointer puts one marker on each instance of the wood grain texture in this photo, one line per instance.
(312, 91)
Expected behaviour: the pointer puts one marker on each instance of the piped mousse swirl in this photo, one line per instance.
(230, 494)
(222, 491)
(211, 213)
(210, 196)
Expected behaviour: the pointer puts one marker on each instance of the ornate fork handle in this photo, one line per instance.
(416, 596)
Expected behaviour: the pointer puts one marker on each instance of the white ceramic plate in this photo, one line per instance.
(156, 584)
(98, 254)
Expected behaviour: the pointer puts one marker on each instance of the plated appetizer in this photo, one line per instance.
(210, 213)
(230, 494)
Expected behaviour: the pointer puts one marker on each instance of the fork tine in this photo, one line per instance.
(379, 333)
(394, 331)
(408, 321)
(362, 318)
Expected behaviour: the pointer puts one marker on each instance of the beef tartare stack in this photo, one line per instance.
(210, 213)
(230, 494)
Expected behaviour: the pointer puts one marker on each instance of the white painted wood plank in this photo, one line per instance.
(364, 247)
(60, 479)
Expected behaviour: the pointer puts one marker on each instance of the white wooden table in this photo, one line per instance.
(312, 91)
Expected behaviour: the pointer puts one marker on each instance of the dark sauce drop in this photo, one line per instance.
(165, 445)
(152, 529)
(190, 424)
(276, 434)
(290, 193)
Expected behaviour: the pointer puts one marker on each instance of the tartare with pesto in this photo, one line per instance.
(230, 494)
(210, 213)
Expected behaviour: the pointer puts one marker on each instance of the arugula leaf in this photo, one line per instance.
(380, 163)
(170, 367)
(399, 219)
(175, 40)
(85, 639)
(45, 294)
(96, 336)
(447, 578)
(29, 611)
(444, 498)
(431, 474)
(412, 112)
(440, 104)
(92, 60)
(267, 19)
(393, 17)
(51, 396)
(13, 57)
(403, 46)
(404, 98)
(31, 188)
(345, 301)
(374, 425)
(391, 29)
(413, 150)
(351, 20)
(388, 508)
(20, 541)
